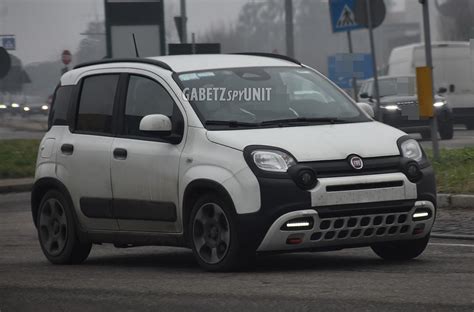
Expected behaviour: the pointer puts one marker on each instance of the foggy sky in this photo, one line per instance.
(44, 28)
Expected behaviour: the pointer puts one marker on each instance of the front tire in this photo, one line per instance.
(213, 235)
(57, 231)
(402, 250)
(446, 127)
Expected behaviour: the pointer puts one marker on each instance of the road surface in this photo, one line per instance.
(168, 279)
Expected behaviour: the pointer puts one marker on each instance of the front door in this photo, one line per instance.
(144, 165)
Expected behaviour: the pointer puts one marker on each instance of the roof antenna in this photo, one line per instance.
(135, 44)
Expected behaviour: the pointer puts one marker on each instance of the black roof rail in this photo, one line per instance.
(273, 55)
(126, 60)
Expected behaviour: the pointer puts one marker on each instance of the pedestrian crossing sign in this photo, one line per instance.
(342, 15)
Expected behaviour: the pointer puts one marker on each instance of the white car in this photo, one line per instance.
(138, 154)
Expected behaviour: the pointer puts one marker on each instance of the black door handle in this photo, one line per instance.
(67, 149)
(120, 153)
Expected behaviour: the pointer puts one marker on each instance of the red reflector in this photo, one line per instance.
(294, 241)
(418, 230)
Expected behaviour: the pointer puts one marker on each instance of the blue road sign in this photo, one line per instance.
(342, 67)
(8, 42)
(342, 15)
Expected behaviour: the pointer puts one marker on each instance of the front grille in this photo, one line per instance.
(340, 168)
(363, 186)
(352, 227)
(363, 209)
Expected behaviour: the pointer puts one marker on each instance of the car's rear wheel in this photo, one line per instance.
(402, 250)
(446, 130)
(57, 231)
(213, 235)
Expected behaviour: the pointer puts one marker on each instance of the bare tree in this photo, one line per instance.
(455, 19)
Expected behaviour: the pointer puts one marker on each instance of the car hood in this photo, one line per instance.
(319, 142)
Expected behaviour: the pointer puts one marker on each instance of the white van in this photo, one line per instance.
(134, 156)
(452, 72)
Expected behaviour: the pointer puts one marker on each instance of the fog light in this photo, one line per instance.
(306, 179)
(412, 171)
(298, 224)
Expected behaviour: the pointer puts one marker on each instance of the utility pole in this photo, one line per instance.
(374, 59)
(429, 64)
(354, 85)
(184, 22)
(290, 46)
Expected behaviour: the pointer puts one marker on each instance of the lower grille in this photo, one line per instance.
(352, 227)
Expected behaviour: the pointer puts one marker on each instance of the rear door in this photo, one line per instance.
(83, 161)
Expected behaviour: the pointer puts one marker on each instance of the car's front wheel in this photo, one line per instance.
(402, 250)
(213, 235)
(57, 231)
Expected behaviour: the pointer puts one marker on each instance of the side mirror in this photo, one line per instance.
(364, 95)
(367, 109)
(442, 90)
(160, 124)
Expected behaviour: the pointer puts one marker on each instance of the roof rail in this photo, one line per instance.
(126, 60)
(273, 55)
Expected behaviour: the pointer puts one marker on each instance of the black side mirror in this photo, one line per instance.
(364, 95)
(442, 90)
(452, 88)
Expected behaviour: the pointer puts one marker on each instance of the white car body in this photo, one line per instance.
(160, 174)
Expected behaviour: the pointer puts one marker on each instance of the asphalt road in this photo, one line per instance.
(168, 279)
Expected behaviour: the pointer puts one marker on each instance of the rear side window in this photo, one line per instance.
(60, 106)
(96, 104)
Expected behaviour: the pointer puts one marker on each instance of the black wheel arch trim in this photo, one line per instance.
(194, 190)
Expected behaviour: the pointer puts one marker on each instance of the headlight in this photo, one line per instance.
(439, 103)
(272, 160)
(44, 107)
(411, 149)
(26, 109)
(391, 107)
(3, 106)
(15, 105)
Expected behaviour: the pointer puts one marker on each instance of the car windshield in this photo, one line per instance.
(397, 86)
(266, 96)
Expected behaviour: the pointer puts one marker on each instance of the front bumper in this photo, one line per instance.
(346, 231)
(281, 199)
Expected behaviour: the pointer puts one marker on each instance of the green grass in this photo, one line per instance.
(454, 170)
(18, 158)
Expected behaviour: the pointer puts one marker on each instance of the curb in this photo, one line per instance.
(452, 236)
(16, 185)
(455, 201)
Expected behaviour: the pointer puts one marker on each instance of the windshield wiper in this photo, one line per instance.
(231, 123)
(331, 120)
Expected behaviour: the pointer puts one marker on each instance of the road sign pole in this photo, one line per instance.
(374, 60)
(354, 85)
(290, 48)
(429, 63)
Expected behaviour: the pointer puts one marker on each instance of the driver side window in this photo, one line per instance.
(144, 97)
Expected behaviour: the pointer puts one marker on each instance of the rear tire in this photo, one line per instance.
(57, 231)
(213, 235)
(402, 250)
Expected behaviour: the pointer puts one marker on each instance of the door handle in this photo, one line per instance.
(67, 149)
(120, 153)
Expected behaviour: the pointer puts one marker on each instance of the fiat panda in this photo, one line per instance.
(229, 155)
